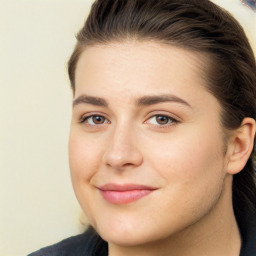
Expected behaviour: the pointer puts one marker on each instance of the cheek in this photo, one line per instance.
(84, 159)
(192, 169)
(184, 159)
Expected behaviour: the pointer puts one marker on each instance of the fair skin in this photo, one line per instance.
(121, 134)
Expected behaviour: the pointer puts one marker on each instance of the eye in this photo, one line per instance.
(94, 120)
(161, 120)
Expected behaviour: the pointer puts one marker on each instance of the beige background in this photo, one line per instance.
(37, 204)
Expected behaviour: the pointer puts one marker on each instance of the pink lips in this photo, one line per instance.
(124, 194)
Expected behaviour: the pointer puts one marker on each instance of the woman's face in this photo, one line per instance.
(146, 144)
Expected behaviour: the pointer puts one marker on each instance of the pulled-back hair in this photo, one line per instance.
(199, 26)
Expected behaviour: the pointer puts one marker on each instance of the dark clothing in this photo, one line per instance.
(87, 244)
(248, 232)
(90, 244)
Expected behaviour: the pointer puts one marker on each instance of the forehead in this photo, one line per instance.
(135, 68)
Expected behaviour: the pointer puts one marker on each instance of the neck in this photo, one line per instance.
(216, 233)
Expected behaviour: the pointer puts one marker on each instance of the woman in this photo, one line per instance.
(162, 135)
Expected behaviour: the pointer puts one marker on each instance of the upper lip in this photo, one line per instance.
(125, 187)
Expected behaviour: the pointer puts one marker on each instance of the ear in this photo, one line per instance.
(240, 146)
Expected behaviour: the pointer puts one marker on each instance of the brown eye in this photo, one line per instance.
(98, 119)
(162, 120)
(94, 120)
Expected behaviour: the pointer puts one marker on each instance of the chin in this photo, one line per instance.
(124, 234)
(133, 234)
(125, 240)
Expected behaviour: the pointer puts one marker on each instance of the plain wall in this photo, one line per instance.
(37, 204)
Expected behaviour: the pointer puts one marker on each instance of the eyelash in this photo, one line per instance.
(85, 119)
(171, 121)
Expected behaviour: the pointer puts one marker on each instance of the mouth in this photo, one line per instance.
(124, 194)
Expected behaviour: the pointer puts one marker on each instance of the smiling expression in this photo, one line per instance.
(146, 142)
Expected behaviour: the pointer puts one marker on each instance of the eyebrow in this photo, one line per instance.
(151, 100)
(96, 101)
(143, 101)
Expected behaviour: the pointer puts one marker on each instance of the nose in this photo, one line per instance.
(122, 150)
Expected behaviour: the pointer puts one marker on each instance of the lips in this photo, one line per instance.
(124, 194)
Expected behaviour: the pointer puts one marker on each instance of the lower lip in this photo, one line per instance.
(124, 197)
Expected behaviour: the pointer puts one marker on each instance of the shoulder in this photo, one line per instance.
(73, 246)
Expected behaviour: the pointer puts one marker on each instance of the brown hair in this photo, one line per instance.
(199, 26)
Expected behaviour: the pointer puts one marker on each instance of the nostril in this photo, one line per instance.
(128, 164)
(122, 159)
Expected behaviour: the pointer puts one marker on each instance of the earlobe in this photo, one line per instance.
(241, 146)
